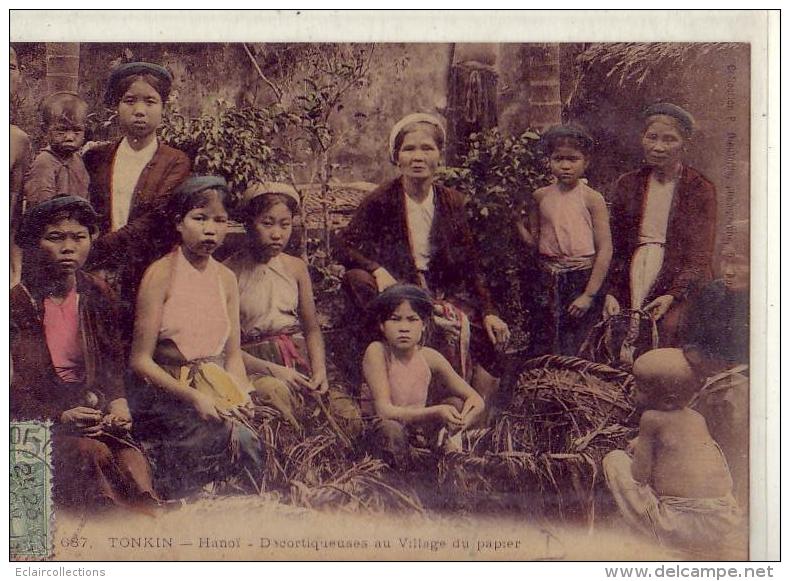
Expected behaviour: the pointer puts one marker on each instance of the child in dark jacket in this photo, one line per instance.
(67, 366)
(58, 168)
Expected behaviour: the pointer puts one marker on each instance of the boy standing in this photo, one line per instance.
(568, 225)
(677, 487)
(58, 168)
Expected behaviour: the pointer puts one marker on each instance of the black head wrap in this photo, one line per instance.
(684, 118)
(111, 96)
(37, 217)
(388, 300)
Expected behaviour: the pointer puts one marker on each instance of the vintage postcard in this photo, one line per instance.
(298, 287)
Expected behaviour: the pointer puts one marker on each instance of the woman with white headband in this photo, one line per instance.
(414, 230)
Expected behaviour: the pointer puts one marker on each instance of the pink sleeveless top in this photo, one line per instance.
(566, 228)
(195, 313)
(62, 333)
(409, 381)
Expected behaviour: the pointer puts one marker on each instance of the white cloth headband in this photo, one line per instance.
(256, 189)
(410, 120)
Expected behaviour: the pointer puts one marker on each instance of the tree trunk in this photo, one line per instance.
(545, 105)
(63, 66)
(472, 96)
(326, 174)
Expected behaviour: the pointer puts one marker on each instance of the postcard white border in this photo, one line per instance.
(760, 28)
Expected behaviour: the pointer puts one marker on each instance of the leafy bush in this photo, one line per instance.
(498, 174)
(238, 143)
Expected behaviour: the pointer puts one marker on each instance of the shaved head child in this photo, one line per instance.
(677, 486)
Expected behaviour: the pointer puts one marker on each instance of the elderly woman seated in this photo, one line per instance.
(414, 230)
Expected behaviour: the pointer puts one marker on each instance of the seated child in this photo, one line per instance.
(569, 227)
(58, 168)
(67, 365)
(192, 402)
(399, 370)
(282, 345)
(677, 487)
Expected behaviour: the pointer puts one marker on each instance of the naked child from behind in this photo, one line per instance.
(677, 486)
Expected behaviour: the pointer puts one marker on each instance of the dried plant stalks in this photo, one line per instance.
(317, 466)
(543, 454)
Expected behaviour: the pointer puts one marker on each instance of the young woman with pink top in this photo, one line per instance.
(192, 402)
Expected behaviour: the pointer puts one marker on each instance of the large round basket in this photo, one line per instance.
(543, 454)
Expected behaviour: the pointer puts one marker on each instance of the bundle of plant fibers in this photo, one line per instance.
(543, 454)
(316, 465)
(367, 485)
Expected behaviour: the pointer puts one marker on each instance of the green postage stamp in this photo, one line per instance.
(30, 491)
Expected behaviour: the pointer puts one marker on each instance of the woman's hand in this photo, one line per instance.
(81, 416)
(450, 327)
(580, 305)
(384, 279)
(247, 410)
(117, 423)
(290, 377)
(473, 407)
(85, 420)
(118, 414)
(205, 406)
(449, 416)
(243, 412)
(497, 329)
(658, 307)
(610, 307)
(319, 382)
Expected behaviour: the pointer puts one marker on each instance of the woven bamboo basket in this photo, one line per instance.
(543, 454)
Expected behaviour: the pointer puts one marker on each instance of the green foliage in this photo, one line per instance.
(498, 174)
(238, 143)
(327, 76)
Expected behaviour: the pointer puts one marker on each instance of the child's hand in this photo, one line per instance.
(450, 416)
(319, 382)
(91, 145)
(205, 407)
(290, 377)
(610, 307)
(473, 407)
(657, 308)
(525, 234)
(580, 305)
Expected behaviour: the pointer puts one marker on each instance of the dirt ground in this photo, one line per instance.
(262, 529)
